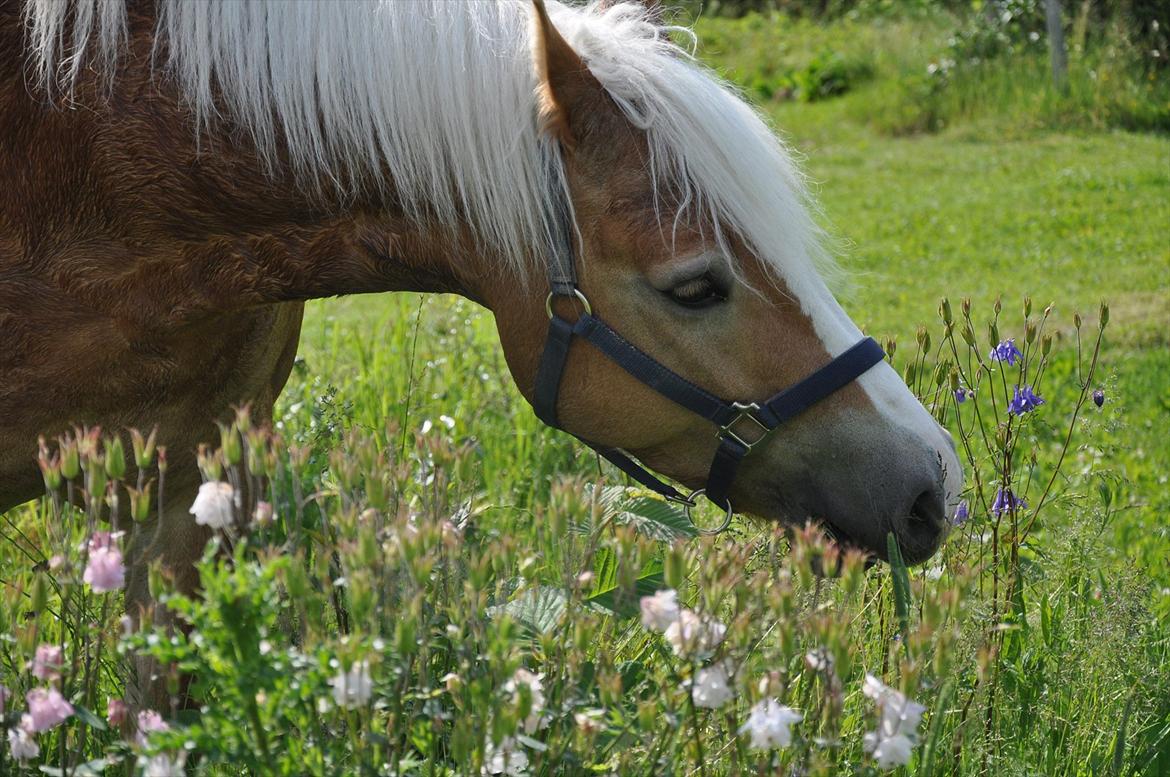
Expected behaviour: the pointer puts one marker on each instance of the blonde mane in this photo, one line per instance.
(442, 96)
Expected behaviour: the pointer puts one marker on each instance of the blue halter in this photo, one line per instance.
(732, 419)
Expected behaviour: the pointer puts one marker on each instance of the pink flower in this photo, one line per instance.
(48, 662)
(105, 570)
(46, 708)
(116, 712)
(22, 745)
(101, 539)
(149, 721)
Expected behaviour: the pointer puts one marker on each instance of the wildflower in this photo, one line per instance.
(452, 681)
(962, 513)
(262, 515)
(960, 395)
(770, 725)
(896, 734)
(214, 504)
(819, 660)
(149, 722)
(354, 688)
(693, 633)
(47, 662)
(535, 688)
(589, 722)
(504, 758)
(1098, 397)
(711, 687)
(1006, 502)
(163, 765)
(116, 712)
(105, 571)
(1006, 352)
(47, 708)
(21, 744)
(1024, 401)
(660, 610)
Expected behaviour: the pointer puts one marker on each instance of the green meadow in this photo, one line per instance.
(1037, 648)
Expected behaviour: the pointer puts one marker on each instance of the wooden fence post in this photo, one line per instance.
(1056, 45)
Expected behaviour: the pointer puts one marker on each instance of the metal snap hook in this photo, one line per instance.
(691, 502)
(576, 293)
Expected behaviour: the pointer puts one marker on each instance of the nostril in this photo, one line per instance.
(928, 509)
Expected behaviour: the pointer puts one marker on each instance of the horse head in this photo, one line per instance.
(692, 238)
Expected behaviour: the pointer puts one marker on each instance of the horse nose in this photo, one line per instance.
(920, 528)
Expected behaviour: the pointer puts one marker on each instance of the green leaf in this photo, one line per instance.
(900, 577)
(656, 519)
(539, 609)
(90, 719)
(650, 579)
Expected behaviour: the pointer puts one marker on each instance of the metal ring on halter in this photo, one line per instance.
(576, 293)
(691, 502)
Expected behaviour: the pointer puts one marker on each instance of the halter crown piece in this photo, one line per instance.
(730, 418)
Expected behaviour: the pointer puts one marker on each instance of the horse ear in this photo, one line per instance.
(565, 84)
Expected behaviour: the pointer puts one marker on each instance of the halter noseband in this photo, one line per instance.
(766, 416)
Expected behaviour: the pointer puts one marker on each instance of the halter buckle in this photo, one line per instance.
(692, 501)
(744, 410)
(576, 293)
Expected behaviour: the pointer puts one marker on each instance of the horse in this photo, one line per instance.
(178, 178)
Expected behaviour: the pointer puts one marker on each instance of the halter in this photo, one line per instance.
(732, 419)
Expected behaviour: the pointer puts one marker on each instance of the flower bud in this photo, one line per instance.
(891, 347)
(675, 566)
(1027, 306)
(1045, 345)
(998, 306)
(969, 335)
(70, 460)
(40, 593)
(143, 447)
(1077, 319)
(1098, 397)
(966, 306)
(229, 443)
(1030, 332)
(115, 458)
(1104, 314)
(945, 310)
(244, 418)
(993, 333)
(139, 503)
(50, 467)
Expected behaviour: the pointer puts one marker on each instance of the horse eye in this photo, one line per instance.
(699, 292)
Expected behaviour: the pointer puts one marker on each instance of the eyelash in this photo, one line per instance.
(699, 292)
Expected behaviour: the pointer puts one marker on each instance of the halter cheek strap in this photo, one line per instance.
(734, 420)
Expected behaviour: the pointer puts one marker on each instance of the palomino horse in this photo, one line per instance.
(177, 178)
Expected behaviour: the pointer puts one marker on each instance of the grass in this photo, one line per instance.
(414, 391)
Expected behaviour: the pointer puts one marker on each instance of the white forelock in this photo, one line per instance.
(441, 96)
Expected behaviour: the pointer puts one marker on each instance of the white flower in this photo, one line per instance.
(22, 745)
(891, 751)
(693, 633)
(535, 686)
(504, 758)
(354, 688)
(164, 766)
(712, 686)
(896, 735)
(214, 504)
(660, 610)
(770, 725)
